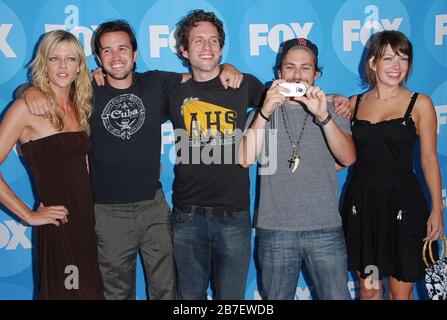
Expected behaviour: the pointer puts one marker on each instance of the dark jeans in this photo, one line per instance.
(208, 246)
(281, 254)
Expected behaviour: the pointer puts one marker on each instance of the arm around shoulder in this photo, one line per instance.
(36, 101)
(352, 102)
(20, 91)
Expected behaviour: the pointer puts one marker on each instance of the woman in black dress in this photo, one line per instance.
(385, 216)
(55, 148)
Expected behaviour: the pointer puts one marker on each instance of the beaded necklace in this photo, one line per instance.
(294, 160)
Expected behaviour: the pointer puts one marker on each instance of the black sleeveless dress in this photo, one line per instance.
(384, 213)
(67, 255)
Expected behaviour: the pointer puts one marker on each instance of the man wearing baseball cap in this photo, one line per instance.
(297, 217)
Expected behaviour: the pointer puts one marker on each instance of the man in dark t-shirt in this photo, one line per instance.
(212, 225)
(130, 210)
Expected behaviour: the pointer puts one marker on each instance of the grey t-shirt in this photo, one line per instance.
(306, 199)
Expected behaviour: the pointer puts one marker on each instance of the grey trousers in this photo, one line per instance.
(124, 229)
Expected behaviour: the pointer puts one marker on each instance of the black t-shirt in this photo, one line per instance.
(208, 116)
(126, 137)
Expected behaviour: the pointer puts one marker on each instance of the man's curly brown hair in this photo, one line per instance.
(190, 21)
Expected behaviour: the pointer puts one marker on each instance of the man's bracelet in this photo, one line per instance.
(325, 121)
(262, 115)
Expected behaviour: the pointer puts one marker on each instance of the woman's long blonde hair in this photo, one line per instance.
(81, 89)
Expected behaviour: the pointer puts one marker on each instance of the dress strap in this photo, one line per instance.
(411, 105)
(357, 102)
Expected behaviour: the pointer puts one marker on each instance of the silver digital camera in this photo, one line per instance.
(296, 89)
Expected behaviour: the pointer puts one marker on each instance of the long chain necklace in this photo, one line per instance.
(294, 160)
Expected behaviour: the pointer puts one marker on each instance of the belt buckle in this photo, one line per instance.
(231, 214)
(204, 211)
(197, 211)
(225, 213)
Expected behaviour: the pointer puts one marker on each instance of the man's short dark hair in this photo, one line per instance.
(190, 21)
(113, 26)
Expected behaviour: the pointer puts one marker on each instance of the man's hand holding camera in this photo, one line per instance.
(313, 97)
(274, 98)
(316, 101)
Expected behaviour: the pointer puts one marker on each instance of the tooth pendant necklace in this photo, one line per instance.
(294, 160)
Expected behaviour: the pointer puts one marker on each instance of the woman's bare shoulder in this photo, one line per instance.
(423, 100)
(18, 109)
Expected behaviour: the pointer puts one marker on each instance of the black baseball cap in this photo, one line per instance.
(292, 43)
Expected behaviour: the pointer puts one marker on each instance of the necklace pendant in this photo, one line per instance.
(294, 163)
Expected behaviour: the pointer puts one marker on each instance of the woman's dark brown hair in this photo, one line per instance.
(377, 46)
